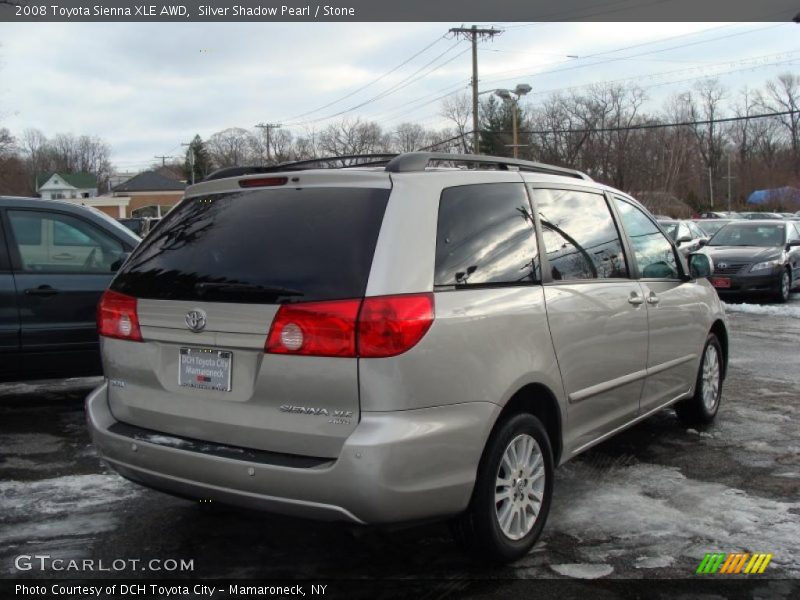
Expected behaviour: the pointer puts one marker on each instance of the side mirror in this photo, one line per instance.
(682, 240)
(702, 242)
(117, 264)
(793, 244)
(700, 266)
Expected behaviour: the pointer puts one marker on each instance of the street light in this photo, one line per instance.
(513, 96)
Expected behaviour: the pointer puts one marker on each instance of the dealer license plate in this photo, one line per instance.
(721, 282)
(205, 369)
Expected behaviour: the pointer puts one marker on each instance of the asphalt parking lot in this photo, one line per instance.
(649, 503)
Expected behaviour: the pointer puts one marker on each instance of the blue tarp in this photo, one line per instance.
(784, 194)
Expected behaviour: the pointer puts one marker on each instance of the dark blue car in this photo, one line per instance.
(56, 258)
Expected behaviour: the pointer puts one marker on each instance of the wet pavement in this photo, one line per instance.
(650, 502)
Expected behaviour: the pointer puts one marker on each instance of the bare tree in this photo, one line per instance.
(353, 137)
(231, 147)
(458, 110)
(783, 95)
(7, 142)
(409, 137)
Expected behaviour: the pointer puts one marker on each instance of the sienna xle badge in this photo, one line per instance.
(399, 340)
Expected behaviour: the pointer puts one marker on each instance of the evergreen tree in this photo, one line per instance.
(496, 125)
(202, 161)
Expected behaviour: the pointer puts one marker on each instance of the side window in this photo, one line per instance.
(654, 252)
(794, 232)
(485, 236)
(580, 238)
(56, 243)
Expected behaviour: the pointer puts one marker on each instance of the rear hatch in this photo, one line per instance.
(208, 284)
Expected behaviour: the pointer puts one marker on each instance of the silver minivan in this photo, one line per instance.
(398, 339)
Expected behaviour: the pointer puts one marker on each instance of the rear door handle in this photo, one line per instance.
(64, 256)
(652, 299)
(42, 290)
(635, 299)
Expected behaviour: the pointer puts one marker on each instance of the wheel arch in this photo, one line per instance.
(719, 330)
(536, 399)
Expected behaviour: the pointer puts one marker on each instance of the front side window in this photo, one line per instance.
(485, 236)
(580, 238)
(56, 243)
(654, 253)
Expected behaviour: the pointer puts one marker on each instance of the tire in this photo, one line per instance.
(701, 408)
(528, 493)
(784, 287)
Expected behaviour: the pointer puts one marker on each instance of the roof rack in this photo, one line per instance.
(418, 161)
(300, 165)
(400, 163)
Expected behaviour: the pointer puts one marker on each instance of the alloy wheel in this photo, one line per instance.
(711, 377)
(519, 487)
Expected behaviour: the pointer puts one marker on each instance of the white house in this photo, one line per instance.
(66, 186)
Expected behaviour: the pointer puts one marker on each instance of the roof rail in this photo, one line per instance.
(399, 163)
(418, 161)
(347, 161)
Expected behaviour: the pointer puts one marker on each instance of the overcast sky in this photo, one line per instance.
(145, 88)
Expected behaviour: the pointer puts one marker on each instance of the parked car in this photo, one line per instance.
(401, 349)
(686, 234)
(718, 214)
(56, 259)
(760, 216)
(141, 226)
(711, 226)
(756, 257)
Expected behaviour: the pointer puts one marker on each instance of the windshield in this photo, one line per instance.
(762, 236)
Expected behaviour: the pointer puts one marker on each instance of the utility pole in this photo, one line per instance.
(191, 158)
(163, 160)
(729, 178)
(473, 34)
(711, 188)
(268, 127)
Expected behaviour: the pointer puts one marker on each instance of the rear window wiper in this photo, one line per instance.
(274, 290)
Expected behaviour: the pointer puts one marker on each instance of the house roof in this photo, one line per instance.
(81, 181)
(150, 181)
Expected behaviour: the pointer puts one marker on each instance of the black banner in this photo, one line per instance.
(390, 589)
(450, 11)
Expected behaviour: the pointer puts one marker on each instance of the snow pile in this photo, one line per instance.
(771, 310)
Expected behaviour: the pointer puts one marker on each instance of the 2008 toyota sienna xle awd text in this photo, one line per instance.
(399, 340)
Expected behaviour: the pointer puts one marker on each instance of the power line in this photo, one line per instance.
(629, 127)
(373, 82)
(618, 58)
(395, 88)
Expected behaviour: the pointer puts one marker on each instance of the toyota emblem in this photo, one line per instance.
(196, 320)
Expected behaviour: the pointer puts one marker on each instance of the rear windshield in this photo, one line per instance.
(260, 246)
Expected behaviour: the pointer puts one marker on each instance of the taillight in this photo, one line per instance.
(373, 328)
(391, 325)
(315, 328)
(117, 317)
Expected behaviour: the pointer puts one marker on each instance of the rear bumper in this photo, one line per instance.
(395, 467)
